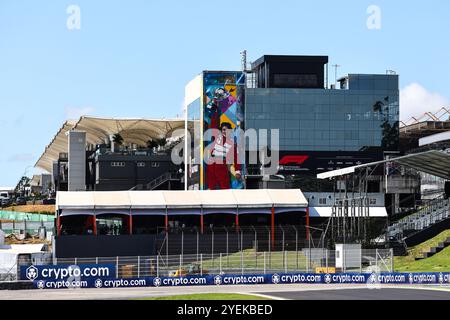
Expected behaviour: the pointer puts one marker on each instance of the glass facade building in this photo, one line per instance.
(364, 117)
(194, 130)
(320, 129)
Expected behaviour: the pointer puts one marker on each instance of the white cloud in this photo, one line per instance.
(22, 157)
(415, 100)
(75, 113)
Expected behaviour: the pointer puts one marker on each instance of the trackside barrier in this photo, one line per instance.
(62, 278)
(314, 260)
(248, 262)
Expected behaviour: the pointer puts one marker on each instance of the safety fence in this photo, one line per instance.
(25, 216)
(307, 260)
(228, 240)
(30, 227)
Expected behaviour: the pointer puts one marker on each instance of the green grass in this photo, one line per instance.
(440, 262)
(296, 262)
(252, 259)
(210, 297)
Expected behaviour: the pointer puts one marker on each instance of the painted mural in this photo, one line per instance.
(223, 110)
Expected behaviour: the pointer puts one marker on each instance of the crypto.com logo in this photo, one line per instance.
(98, 283)
(373, 282)
(41, 284)
(275, 279)
(229, 147)
(157, 282)
(32, 273)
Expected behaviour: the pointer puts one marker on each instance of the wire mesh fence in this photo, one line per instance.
(31, 227)
(305, 260)
(9, 273)
(228, 240)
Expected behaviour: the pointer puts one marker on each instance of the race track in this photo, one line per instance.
(281, 292)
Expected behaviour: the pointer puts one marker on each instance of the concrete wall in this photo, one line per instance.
(77, 160)
(55, 173)
(46, 180)
(104, 246)
(428, 233)
(134, 170)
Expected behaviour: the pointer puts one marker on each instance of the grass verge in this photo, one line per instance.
(440, 262)
(210, 297)
(292, 261)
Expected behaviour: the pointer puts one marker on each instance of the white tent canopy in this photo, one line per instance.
(136, 131)
(71, 203)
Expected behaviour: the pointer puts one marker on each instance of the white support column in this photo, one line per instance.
(265, 270)
(139, 267)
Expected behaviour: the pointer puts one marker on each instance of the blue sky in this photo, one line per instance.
(133, 58)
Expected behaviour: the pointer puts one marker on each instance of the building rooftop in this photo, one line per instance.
(98, 130)
(290, 59)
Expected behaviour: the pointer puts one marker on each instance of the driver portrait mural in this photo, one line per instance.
(224, 113)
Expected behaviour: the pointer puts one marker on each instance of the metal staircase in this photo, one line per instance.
(441, 246)
(167, 177)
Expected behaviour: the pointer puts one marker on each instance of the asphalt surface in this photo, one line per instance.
(364, 294)
(278, 292)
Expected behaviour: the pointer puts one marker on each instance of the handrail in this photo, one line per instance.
(161, 179)
(437, 210)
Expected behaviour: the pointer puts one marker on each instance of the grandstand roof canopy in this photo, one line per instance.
(98, 130)
(424, 129)
(436, 163)
(427, 124)
(237, 200)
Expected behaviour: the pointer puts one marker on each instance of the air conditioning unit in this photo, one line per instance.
(348, 256)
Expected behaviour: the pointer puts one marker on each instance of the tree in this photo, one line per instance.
(23, 183)
(162, 142)
(49, 187)
(118, 139)
(390, 128)
(151, 144)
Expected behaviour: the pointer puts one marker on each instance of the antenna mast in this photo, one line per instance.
(336, 66)
(244, 60)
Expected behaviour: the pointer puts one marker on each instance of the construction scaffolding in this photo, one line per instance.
(350, 219)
